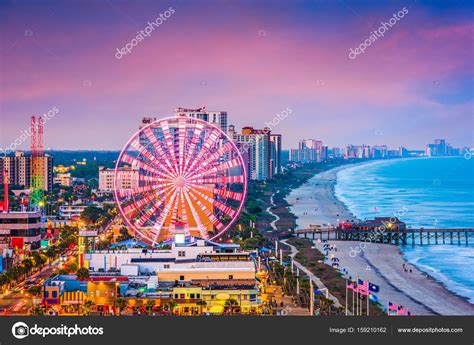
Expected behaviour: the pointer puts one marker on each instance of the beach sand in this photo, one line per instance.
(381, 264)
(315, 203)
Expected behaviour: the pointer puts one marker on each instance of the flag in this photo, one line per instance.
(362, 287)
(392, 307)
(402, 311)
(350, 285)
(373, 287)
(372, 297)
(318, 292)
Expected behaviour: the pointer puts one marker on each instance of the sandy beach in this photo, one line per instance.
(315, 203)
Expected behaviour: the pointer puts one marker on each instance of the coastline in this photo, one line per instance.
(315, 202)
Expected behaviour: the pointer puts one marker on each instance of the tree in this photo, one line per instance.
(149, 305)
(37, 311)
(91, 214)
(82, 273)
(87, 307)
(35, 290)
(124, 235)
(120, 303)
(202, 303)
(231, 304)
(171, 305)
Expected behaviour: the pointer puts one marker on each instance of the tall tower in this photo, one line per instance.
(37, 163)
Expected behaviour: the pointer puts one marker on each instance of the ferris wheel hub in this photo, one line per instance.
(180, 182)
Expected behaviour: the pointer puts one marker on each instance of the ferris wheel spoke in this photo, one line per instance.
(213, 171)
(211, 159)
(181, 142)
(222, 179)
(170, 144)
(220, 192)
(184, 213)
(145, 198)
(125, 192)
(158, 148)
(224, 208)
(192, 147)
(174, 214)
(201, 227)
(156, 204)
(162, 218)
(164, 171)
(209, 213)
(134, 162)
(205, 149)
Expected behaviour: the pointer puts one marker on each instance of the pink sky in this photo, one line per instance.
(409, 87)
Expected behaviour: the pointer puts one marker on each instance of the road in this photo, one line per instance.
(17, 301)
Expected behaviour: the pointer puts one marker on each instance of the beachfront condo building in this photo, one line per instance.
(257, 144)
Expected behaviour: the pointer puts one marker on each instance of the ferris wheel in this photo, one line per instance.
(180, 175)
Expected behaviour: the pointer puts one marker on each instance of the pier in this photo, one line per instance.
(405, 236)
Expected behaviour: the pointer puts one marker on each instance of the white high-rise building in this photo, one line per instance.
(128, 178)
(217, 118)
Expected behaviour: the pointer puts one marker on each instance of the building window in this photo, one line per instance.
(182, 296)
(54, 294)
(176, 295)
(46, 294)
(181, 277)
(231, 277)
(198, 295)
(191, 296)
(181, 253)
(166, 266)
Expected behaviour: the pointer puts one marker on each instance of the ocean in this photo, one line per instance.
(424, 192)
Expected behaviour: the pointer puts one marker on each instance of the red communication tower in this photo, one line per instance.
(37, 162)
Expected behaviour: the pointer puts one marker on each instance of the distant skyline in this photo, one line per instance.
(252, 60)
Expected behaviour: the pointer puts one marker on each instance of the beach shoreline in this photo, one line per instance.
(316, 203)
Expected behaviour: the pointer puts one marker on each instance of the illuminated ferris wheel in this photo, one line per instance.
(180, 174)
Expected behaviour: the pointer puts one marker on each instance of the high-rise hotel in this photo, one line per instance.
(261, 150)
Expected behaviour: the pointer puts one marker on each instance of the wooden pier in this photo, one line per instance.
(395, 237)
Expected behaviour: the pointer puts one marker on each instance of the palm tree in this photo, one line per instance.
(202, 303)
(120, 303)
(149, 305)
(171, 305)
(82, 273)
(87, 307)
(231, 304)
